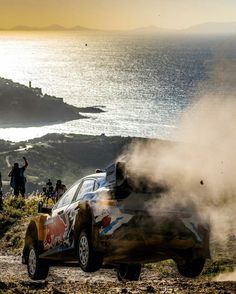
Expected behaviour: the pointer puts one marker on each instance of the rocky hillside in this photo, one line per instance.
(55, 156)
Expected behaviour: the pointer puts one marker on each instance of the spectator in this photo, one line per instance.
(49, 184)
(60, 189)
(52, 194)
(18, 180)
(44, 191)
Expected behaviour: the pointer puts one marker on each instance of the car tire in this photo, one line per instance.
(192, 268)
(37, 269)
(130, 272)
(89, 260)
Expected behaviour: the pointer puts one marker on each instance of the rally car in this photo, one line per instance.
(105, 220)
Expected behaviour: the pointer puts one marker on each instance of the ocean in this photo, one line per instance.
(144, 83)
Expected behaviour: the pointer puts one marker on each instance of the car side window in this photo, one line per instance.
(68, 196)
(96, 186)
(86, 187)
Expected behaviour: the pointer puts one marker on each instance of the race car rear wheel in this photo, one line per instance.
(130, 272)
(89, 260)
(37, 269)
(192, 268)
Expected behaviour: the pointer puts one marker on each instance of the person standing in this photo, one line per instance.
(18, 180)
(49, 184)
(60, 189)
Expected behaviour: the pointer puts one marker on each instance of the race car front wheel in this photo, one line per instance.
(130, 272)
(89, 260)
(37, 269)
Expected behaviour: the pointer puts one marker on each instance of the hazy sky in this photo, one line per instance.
(116, 14)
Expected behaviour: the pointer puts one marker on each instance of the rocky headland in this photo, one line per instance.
(23, 106)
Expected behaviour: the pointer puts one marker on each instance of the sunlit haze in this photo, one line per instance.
(115, 14)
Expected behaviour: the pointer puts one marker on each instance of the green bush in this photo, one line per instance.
(18, 207)
(14, 219)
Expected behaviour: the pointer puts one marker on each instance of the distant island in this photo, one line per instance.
(23, 106)
(54, 27)
(210, 28)
(213, 28)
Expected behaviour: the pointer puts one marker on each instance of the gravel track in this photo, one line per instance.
(14, 279)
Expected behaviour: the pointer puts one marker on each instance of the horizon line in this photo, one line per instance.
(58, 27)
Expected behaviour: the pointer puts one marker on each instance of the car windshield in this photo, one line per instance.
(101, 182)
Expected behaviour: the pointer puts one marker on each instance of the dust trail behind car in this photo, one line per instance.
(200, 170)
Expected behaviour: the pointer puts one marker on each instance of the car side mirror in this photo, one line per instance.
(42, 209)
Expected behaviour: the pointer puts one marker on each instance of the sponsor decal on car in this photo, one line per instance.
(54, 231)
(110, 218)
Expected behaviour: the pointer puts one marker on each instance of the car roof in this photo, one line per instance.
(101, 175)
(95, 176)
(92, 176)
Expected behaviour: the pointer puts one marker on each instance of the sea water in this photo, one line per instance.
(143, 83)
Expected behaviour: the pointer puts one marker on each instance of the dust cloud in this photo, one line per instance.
(200, 169)
(226, 277)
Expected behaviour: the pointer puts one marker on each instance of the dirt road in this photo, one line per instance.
(14, 279)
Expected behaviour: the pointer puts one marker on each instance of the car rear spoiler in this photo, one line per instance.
(118, 177)
(116, 174)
